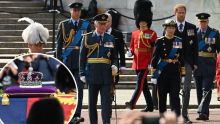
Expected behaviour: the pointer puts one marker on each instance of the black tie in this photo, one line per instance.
(203, 34)
(100, 40)
(181, 27)
(76, 25)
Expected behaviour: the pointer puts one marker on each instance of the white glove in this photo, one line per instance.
(129, 53)
(83, 79)
(154, 80)
(115, 68)
(183, 80)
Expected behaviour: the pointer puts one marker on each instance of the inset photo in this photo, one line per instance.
(37, 88)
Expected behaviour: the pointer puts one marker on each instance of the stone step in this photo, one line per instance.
(17, 32)
(19, 50)
(22, 9)
(38, 15)
(17, 38)
(21, 44)
(39, 20)
(21, 4)
(23, 26)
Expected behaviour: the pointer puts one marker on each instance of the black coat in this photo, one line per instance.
(206, 65)
(119, 45)
(190, 49)
(72, 61)
(162, 49)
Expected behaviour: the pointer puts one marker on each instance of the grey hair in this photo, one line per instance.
(109, 15)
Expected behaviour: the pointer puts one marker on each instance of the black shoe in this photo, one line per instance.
(198, 118)
(77, 120)
(146, 109)
(203, 116)
(187, 121)
(129, 105)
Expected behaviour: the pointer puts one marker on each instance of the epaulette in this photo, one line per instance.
(110, 34)
(178, 37)
(215, 29)
(20, 54)
(160, 37)
(87, 33)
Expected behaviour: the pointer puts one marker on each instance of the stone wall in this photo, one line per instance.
(161, 9)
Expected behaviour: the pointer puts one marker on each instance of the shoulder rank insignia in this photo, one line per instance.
(215, 29)
(160, 37)
(178, 37)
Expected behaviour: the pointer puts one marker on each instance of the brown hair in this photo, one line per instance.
(179, 6)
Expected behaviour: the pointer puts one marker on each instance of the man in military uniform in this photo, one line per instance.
(187, 32)
(142, 44)
(119, 47)
(98, 62)
(69, 37)
(208, 40)
(35, 35)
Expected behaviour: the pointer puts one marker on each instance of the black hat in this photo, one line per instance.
(170, 22)
(75, 5)
(63, 79)
(101, 18)
(142, 12)
(203, 17)
(46, 111)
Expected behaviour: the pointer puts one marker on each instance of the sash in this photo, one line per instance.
(202, 43)
(77, 38)
(162, 64)
(102, 50)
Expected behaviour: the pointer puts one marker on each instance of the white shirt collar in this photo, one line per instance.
(75, 21)
(99, 34)
(178, 23)
(109, 30)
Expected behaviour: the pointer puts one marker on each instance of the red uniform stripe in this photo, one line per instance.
(142, 84)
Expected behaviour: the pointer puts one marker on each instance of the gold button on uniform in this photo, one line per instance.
(163, 43)
(164, 48)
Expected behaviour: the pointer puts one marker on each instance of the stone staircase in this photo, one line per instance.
(12, 44)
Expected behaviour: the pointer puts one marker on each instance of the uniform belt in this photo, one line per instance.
(149, 50)
(206, 54)
(170, 60)
(73, 47)
(99, 60)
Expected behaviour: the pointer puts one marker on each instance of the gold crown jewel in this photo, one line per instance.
(202, 16)
(77, 5)
(103, 17)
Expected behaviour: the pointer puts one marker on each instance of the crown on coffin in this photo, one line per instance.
(30, 79)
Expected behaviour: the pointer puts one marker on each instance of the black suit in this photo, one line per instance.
(119, 49)
(190, 55)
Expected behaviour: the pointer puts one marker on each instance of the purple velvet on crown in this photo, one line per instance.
(14, 91)
(34, 75)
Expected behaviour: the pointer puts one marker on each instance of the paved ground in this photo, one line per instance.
(213, 119)
(125, 95)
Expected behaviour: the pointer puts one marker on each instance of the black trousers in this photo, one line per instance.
(169, 83)
(142, 85)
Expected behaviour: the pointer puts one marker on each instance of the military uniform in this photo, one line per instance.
(205, 73)
(142, 43)
(218, 77)
(96, 58)
(169, 70)
(69, 37)
(142, 50)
